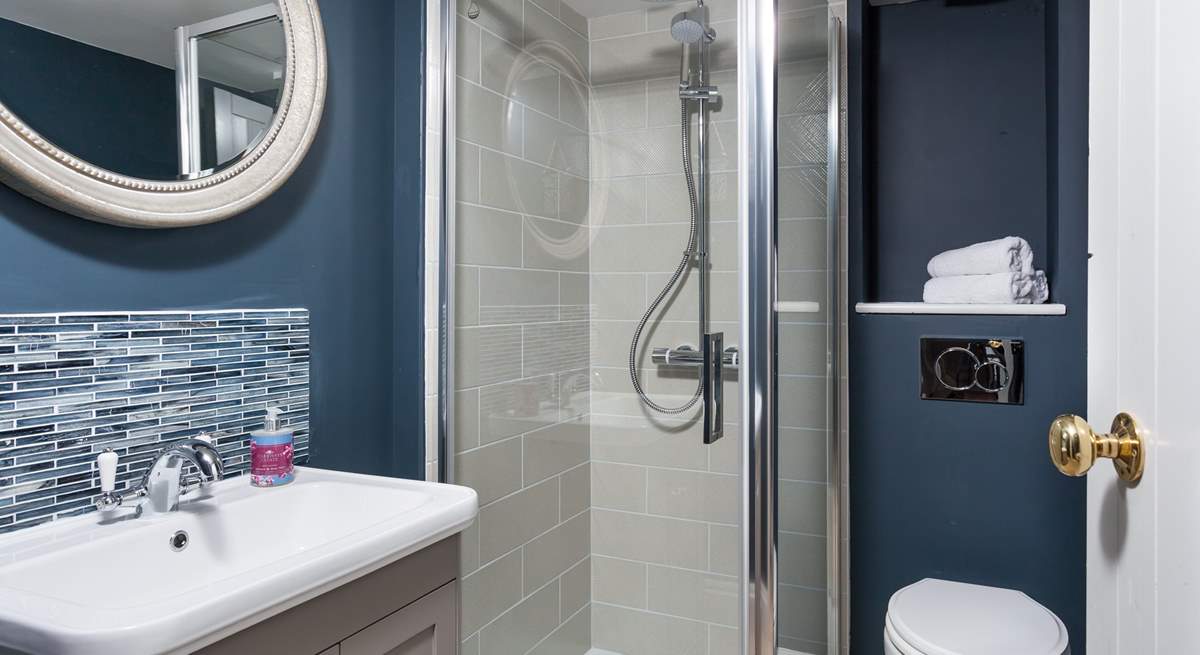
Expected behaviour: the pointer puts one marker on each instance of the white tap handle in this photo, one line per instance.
(107, 463)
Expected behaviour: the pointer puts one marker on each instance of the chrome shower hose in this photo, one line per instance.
(689, 252)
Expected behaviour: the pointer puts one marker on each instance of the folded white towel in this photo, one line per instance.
(1041, 288)
(1010, 254)
(998, 288)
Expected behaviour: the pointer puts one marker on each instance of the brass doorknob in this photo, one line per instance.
(1075, 446)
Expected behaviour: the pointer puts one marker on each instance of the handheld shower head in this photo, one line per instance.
(689, 26)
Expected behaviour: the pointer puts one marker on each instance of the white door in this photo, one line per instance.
(1144, 310)
(239, 123)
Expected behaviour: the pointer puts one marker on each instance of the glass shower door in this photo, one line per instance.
(594, 153)
(808, 246)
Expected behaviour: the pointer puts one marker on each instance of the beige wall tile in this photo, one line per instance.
(618, 107)
(548, 556)
(619, 582)
(493, 471)
(668, 199)
(518, 186)
(574, 98)
(466, 296)
(553, 143)
(574, 394)
(631, 632)
(467, 55)
(802, 349)
(630, 22)
(503, 18)
(638, 248)
(650, 539)
(555, 245)
(555, 449)
(692, 594)
(619, 201)
(802, 401)
(577, 587)
(802, 613)
(522, 627)
(619, 295)
(639, 441)
(488, 237)
(571, 638)
(512, 408)
(802, 507)
(724, 549)
(486, 355)
(694, 495)
(802, 560)
(469, 549)
(619, 486)
(518, 288)
(575, 491)
(554, 41)
(554, 347)
(488, 119)
(573, 20)
(516, 74)
(467, 172)
(574, 200)
(490, 591)
(515, 520)
(802, 454)
(722, 640)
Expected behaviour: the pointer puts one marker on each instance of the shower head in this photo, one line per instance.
(689, 27)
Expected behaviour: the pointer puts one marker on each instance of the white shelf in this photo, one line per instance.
(797, 307)
(932, 308)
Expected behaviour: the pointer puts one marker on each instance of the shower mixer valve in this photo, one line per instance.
(688, 355)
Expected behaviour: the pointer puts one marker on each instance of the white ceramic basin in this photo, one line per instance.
(83, 586)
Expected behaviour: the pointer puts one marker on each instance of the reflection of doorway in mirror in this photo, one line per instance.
(239, 123)
(229, 74)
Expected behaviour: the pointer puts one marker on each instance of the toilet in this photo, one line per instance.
(940, 617)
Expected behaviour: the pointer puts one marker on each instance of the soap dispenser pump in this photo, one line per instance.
(271, 452)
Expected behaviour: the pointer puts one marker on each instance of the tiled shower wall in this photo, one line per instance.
(73, 385)
(601, 524)
(665, 506)
(522, 336)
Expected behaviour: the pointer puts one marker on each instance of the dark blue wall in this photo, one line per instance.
(114, 111)
(342, 238)
(968, 121)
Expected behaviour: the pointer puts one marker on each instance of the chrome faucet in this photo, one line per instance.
(163, 483)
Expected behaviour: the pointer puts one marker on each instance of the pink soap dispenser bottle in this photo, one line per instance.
(271, 453)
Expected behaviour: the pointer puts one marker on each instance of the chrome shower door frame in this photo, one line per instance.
(446, 245)
(758, 275)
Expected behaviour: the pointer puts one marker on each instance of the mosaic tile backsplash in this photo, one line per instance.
(73, 385)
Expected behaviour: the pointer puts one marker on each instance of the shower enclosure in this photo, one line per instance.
(633, 321)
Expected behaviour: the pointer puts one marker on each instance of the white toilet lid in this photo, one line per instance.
(939, 617)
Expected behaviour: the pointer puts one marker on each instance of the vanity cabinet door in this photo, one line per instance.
(428, 626)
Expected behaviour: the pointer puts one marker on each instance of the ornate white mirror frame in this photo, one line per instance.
(38, 169)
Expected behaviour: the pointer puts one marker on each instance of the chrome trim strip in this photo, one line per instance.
(834, 506)
(756, 181)
(446, 253)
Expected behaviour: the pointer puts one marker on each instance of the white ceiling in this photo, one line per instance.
(594, 8)
(143, 29)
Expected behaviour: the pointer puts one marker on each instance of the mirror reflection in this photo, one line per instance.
(154, 89)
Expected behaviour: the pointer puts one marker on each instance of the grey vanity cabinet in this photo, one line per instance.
(409, 607)
(423, 628)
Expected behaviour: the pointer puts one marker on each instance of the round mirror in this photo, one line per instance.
(157, 113)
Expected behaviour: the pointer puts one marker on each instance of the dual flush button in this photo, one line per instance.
(974, 370)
